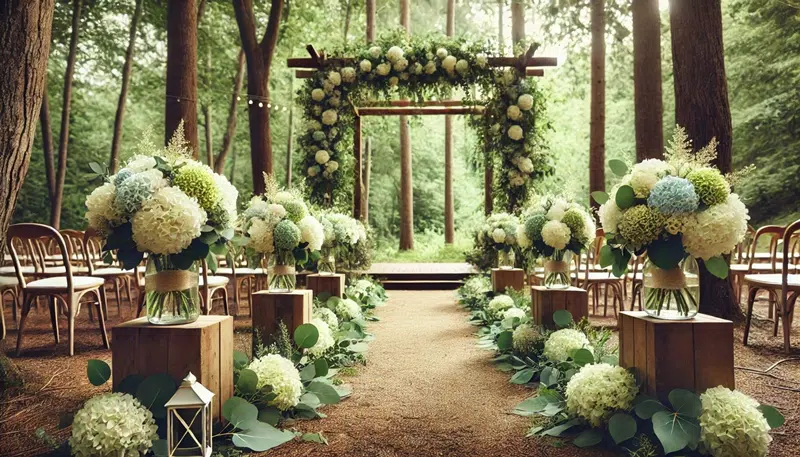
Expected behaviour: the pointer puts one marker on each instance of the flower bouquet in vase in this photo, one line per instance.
(346, 243)
(172, 208)
(555, 229)
(672, 211)
(280, 229)
(500, 232)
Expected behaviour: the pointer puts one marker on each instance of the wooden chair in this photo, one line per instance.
(242, 277)
(210, 285)
(593, 279)
(755, 264)
(784, 287)
(115, 276)
(635, 278)
(66, 291)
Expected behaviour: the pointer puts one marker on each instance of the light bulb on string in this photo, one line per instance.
(269, 105)
(250, 102)
(260, 105)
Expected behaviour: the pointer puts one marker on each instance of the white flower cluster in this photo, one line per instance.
(562, 343)
(731, 425)
(347, 310)
(168, 222)
(280, 374)
(501, 229)
(717, 230)
(558, 223)
(341, 230)
(328, 316)
(111, 425)
(519, 313)
(599, 390)
(325, 340)
(525, 338)
(499, 304)
(280, 222)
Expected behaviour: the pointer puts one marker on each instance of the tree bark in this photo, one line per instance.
(367, 177)
(233, 112)
(25, 27)
(597, 126)
(370, 7)
(449, 222)
(207, 120)
(181, 100)
(517, 22)
(347, 14)
(406, 176)
(702, 108)
(259, 61)
(488, 182)
(113, 163)
(47, 144)
(290, 141)
(647, 97)
(501, 40)
(63, 137)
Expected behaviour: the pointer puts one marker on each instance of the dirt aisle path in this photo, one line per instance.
(426, 391)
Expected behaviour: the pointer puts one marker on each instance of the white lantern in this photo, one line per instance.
(189, 420)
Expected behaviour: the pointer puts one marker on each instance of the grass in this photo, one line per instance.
(428, 247)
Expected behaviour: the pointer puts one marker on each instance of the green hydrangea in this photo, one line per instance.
(710, 185)
(219, 216)
(576, 223)
(295, 210)
(197, 180)
(286, 235)
(640, 225)
(731, 425)
(526, 338)
(533, 226)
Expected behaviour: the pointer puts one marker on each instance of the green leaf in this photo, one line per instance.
(154, 392)
(322, 367)
(645, 406)
(618, 167)
(326, 392)
(606, 256)
(559, 429)
(240, 360)
(211, 261)
(98, 372)
(358, 347)
(247, 382)
(130, 258)
(622, 427)
(523, 376)
(600, 197)
(505, 340)
(311, 400)
(314, 438)
(227, 233)
(531, 406)
(583, 357)
(549, 376)
(625, 197)
(666, 253)
(270, 415)
(774, 417)
(685, 402)
(306, 336)
(588, 438)
(308, 372)
(230, 405)
(717, 266)
(209, 237)
(675, 431)
(260, 437)
(97, 168)
(160, 448)
(130, 384)
(242, 414)
(610, 359)
(562, 318)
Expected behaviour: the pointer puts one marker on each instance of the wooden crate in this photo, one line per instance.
(204, 347)
(505, 278)
(272, 308)
(693, 354)
(331, 284)
(544, 302)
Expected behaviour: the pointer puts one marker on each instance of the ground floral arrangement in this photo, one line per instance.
(583, 395)
(512, 125)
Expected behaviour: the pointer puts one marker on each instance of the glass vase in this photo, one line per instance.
(327, 261)
(283, 277)
(171, 293)
(672, 294)
(557, 270)
(505, 259)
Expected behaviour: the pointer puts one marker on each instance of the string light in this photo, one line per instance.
(249, 102)
(261, 105)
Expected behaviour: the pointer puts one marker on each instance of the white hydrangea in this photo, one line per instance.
(313, 125)
(449, 63)
(499, 304)
(311, 232)
(514, 312)
(325, 340)
(327, 316)
(322, 157)
(335, 78)
(112, 424)
(138, 164)
(525, 102)
(556, 234)
(347, 310)
(394, 81)
(731, 425)
(394, 54)
(597, 391)
(462, 66)
(332, 166)
(365, 66)
(383, 69)
(317, 94)
(168, 222)
(261, 239)
(313, 171)
(499, 235)
(375, 52)
(228, 196)
(400, 65)
(329, 117)
(430, 68)
(526, 165)
(589, 226)
(417, 68)
(558, 207)
(482, 59)
(100, 205)
(717, 230)
(515, 132)
(441, 53)
(525, 338)
(522, 238)
(509, 76)
(562, 342)
(280, 374)
(610, 215)
(348, 74)
(513, 112)
(646, 174)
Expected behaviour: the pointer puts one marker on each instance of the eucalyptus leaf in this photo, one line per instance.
(666, 253)
(247, 382)
(260, 437)
(230, 405)
(314, 438)
(154, 392)
(129, 384)
(523, 376)
(685, 402)
(588, 438)
(675, 431)
(562, 318)
(625, 197)
(622, 427)
(270, 415)
(306, 336)
(321, 367)
(583, 357)
(645, 406)
(326, 392)
(717, 266)
(505, 340)
(240, 360)
(308, 373)
(618, 167)
(242, 414)
(549, 376)
(600, 197)
(98, 372)
(531, 406)
(774, 417)
(606, 256)
(561, 428)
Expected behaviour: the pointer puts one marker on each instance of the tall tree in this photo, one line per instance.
(47, 144)
(230, 129)
(259, 62)
(449, 223)
(205, 107)
(701, 106)
(370, 13)
(406, 176)
(113, 163)
(63, 137)
(181, 99)
(597, 122)
(648, 103)
(517, 22)
(25, 27)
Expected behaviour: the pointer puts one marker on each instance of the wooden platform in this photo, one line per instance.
(421, 276)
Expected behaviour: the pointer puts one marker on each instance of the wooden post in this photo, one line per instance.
(545, 302)
(204, 347)
(370, 21)
(367, 177)
(504, 278)
(517, 22)
(406, 177)
(693, 354)
(449, 223)
(597, 115)
(358, 180)
(290, 138)
(488, 180)
(333, 285)
(181, 85)
(272, 308)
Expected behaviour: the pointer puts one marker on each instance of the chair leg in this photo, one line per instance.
(2, 319)
(787, 322)
(605, 300)
(23, 318)
(127, 280)
(118, 296)
(101, 316)
(751, 298)
(777, 316)
(140, 306)
(71, 305)
(54, 317)
(225, 301)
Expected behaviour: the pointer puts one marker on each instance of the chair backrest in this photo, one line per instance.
(92, 249)
(592, 257)
(791, 231)
(74, 241)
(775, 233)
(742, 251)
(37, 234)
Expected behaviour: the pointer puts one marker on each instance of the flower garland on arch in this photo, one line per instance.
(418, 68)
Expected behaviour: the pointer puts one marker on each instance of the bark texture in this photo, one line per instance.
(113, 163)
(517, 22)
(406, 177)
(230, 129)
(47, 144)
(449, 222)
(647, 97)
(370, 7)
(701, 106)
(181, 100)
(370, 12)
(597, 126)
(25, 27)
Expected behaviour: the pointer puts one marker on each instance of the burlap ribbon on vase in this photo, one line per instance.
(672, 279)
(556, 266)
(283, 270)
(170, 281)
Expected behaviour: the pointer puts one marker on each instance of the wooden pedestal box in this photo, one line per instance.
(505, 278)
(204, 347)
(271, 308)
(331, 284)
(693, 354)
(544, 302)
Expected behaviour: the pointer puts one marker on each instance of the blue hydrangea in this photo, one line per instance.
(673, 196)
(122, 175)
(131, 193)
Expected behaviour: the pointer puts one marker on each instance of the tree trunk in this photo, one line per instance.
(370, 21)
(648, 104)
(347, 14)
(181, 102)
(367, 177)
(230, 130)
(259, 61)
(63, 137)
(290, 140)
(488, 181)
(25, 27)
(406, 177)
(501, 40)
(597, 126)
(517, 23)
(207, 119)
(701, 106)
(113, 163)
(449, 223)
(47, 145)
